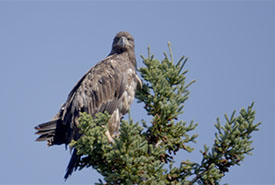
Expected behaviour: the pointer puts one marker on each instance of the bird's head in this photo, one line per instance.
(122, 42)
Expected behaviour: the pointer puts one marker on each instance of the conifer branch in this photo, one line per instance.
(232, 142)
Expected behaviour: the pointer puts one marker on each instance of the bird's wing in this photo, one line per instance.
(98, 90)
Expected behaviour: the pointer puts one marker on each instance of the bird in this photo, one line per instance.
(109, 86)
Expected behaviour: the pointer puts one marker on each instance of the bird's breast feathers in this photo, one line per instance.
(108, 85)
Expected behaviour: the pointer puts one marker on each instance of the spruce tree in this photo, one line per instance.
(143, 153)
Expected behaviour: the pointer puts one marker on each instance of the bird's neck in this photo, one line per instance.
(127, 54)
(132, 57)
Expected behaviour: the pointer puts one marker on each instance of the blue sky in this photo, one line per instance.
(46, 47)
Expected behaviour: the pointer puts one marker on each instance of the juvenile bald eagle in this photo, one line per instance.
(108, 86)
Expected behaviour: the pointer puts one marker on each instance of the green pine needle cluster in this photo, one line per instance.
(130, 159)
(232, 142)
(164, 93)
(143, 152)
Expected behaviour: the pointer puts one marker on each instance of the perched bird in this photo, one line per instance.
(108, 86)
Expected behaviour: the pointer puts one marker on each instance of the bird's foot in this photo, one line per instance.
(109, 137)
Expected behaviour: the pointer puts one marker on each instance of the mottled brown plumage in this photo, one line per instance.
(108, 86)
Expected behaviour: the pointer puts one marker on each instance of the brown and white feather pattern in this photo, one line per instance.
(108, 86)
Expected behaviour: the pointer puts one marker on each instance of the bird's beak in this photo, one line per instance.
(123, 42)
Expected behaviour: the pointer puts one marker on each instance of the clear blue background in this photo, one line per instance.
(46, 47)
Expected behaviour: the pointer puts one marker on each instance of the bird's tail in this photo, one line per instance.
(46, 131)
(53, 131)
(72, 166)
